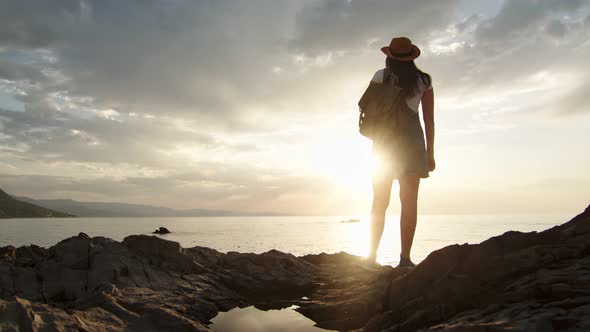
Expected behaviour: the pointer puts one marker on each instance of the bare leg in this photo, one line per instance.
(408, 194)
(381, 193)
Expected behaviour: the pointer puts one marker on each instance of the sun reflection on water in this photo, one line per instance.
(356, 238)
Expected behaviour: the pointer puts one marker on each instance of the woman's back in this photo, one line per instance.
(412, 101)
(403, 156)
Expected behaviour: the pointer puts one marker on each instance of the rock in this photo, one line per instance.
(7, 253)
(21, 315)
(512, 282)
(162, 230)
(272, 273)
(519, 280)
(163, 253)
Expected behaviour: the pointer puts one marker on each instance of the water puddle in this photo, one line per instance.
(255, 320)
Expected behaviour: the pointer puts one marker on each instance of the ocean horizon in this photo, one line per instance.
(298, 235)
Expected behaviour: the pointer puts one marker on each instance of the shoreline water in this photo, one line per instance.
(297, 235)
(514, 281)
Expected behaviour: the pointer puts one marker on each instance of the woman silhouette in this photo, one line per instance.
(406, 158)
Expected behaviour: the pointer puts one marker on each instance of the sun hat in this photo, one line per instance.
(401, 48)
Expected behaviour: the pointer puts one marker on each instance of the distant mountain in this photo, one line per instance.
(105, 209)
(14, 208)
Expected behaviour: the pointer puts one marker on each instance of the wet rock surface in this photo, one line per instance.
(512, 282)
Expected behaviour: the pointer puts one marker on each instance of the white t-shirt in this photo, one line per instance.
(412, 102)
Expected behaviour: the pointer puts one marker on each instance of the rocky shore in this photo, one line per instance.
(512, 282)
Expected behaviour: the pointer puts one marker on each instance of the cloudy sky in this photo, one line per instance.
(251, 105)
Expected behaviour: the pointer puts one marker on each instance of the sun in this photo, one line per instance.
(349, 161)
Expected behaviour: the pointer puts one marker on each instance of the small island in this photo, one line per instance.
(161, 231)
(536, 281)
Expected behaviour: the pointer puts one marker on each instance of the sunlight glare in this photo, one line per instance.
(349, 161)
(361, 237)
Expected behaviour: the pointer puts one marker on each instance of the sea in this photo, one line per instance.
(297, 235)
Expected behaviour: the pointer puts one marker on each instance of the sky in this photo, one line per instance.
(252, 105)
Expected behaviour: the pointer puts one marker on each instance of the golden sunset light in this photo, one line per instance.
(294, 165)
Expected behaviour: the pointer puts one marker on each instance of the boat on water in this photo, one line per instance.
(351, 220)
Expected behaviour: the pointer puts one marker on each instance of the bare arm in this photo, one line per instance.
(428, 115)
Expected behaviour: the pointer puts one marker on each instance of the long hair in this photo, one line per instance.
(407, 75)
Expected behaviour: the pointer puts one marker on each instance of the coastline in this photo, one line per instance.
(511, 281)
(296, 235)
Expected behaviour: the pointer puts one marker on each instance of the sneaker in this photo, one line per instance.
(405, 263)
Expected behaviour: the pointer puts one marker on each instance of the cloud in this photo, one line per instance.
(500, 55)
(219, 186)
(178, 57)
(339, 25)
(556, 28)
(14, 71)
(519, 18)
(46, 135)
(31, 24)
(120, 97)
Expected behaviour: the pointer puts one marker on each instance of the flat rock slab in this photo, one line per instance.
(512, 282)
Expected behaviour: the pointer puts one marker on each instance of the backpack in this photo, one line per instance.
(380, 107)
